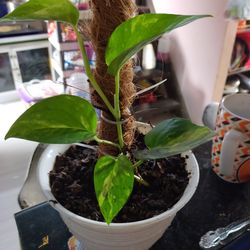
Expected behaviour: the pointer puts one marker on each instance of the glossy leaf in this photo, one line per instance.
(113, 180)
(58, 10)
(58, 119)
(172, 137)
(131, 36)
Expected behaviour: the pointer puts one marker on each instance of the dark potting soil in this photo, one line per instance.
(72, 185)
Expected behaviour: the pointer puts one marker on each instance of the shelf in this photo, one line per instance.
(243, 30)
(240, 70)
(164, 105)
(65, 46)
(158, 111)
(143, 9)
(58, 69)
(24, 38)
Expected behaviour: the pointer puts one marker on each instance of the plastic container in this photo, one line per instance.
(95, 235)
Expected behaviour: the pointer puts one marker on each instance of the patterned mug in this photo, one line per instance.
(231, 145)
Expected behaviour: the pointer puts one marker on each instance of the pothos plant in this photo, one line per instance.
(67, 119)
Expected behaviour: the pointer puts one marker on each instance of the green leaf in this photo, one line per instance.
(113, 180)
(58, 119)
(172, 137)
(131, 36)
(58, 10)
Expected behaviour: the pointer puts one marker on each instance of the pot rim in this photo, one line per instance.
(188, 193)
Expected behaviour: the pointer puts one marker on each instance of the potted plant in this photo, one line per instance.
(116, 35)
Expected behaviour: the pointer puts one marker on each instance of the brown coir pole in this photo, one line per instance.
(107, 15)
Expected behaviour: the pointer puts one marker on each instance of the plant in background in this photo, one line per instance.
(66, 119)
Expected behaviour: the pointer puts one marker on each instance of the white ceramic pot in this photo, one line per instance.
(95, 235)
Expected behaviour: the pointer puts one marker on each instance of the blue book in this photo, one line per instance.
(41, 227)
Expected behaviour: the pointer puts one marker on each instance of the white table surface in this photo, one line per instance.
(15, 155)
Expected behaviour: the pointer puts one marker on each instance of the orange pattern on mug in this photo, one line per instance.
(243, 173)
(225, 122)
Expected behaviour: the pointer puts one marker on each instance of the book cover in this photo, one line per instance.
(41, 227)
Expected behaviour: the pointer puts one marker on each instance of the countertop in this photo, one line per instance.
(216, 203)
(15, 157)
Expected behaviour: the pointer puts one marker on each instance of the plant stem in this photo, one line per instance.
(117, 109)
(141, 181)
(106, 142)
(90, 75)
(137, 164)
(114, 111)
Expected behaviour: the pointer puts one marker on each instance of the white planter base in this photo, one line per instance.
(95, 235)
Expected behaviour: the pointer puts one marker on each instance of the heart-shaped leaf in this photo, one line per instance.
(113, 180)
(131, 36)
(172, 137)
(58, 119)
(61, 10)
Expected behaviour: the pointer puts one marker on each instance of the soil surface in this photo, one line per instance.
(72, 185)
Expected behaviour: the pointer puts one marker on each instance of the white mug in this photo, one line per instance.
(231, 145)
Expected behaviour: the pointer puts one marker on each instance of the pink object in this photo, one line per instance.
(37, 90)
